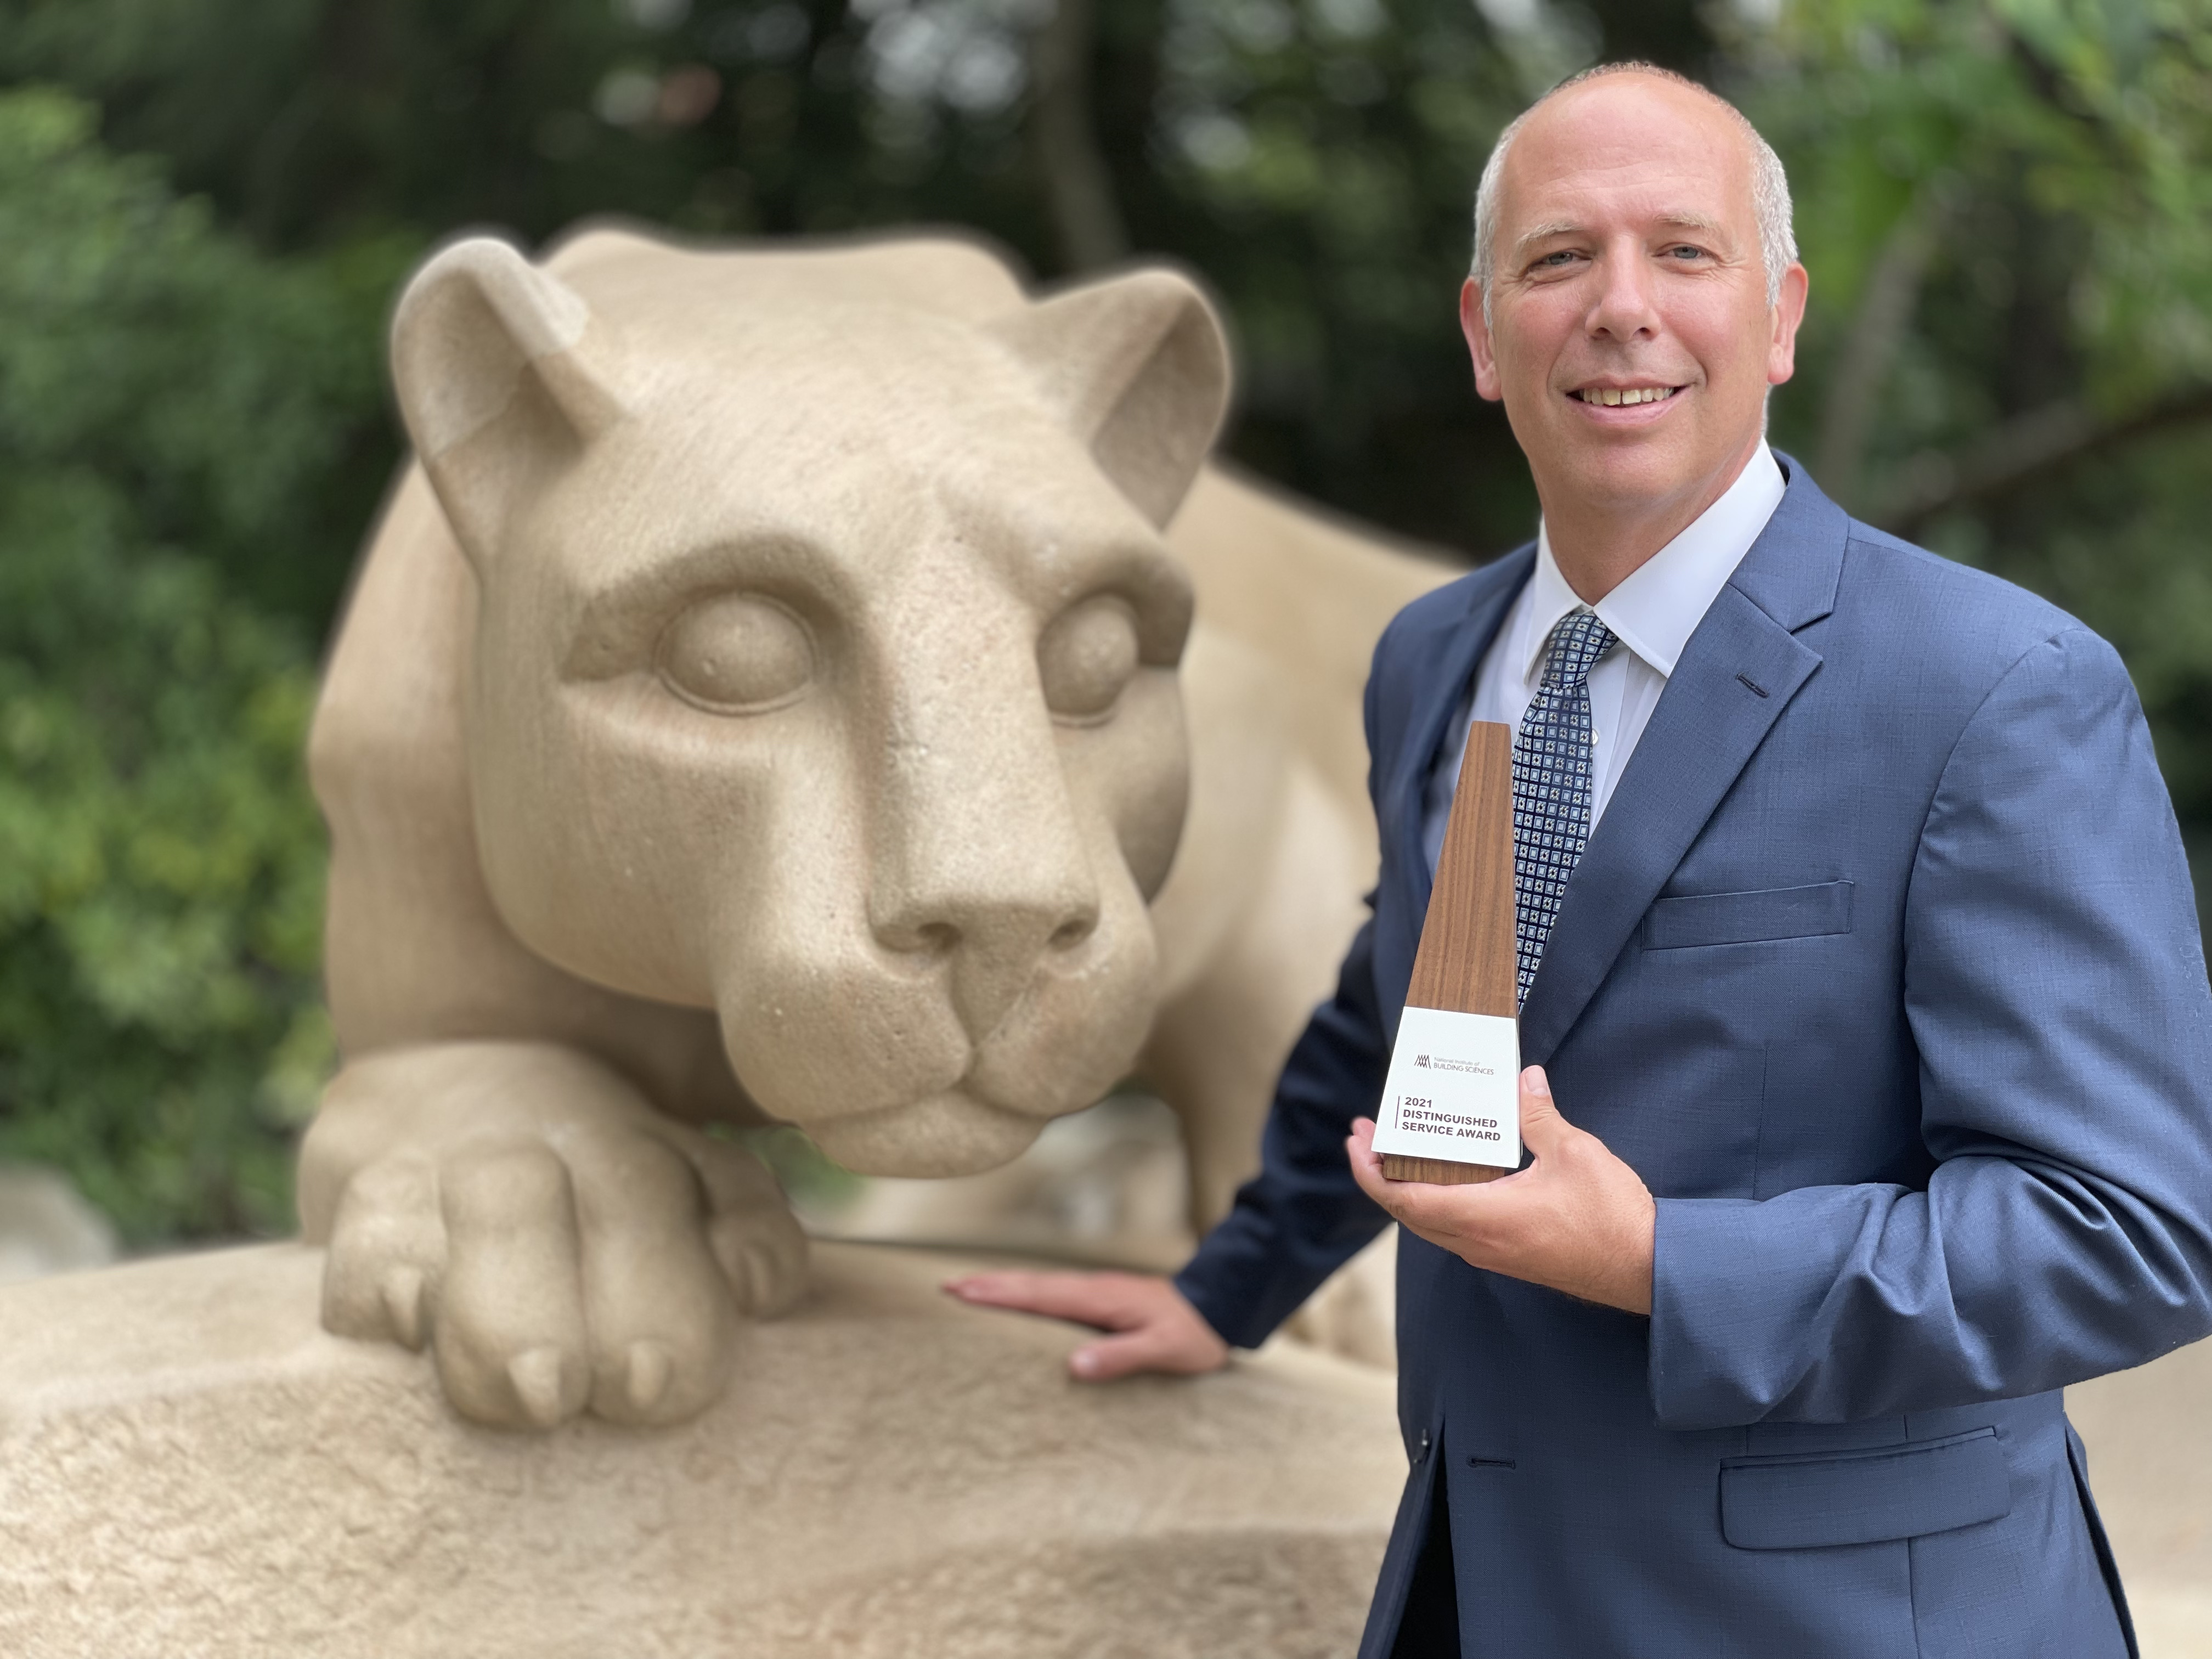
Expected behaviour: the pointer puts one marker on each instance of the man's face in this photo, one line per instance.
(1629, 332)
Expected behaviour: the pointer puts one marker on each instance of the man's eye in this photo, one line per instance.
(1554, 261)
(1685, 251)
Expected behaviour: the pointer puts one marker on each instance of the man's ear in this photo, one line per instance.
(1137, 366)
(1788, 311)
(504, 378)
(1475, 323)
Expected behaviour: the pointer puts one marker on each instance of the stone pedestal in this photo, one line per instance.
(188, 1465)
(2149, 1435)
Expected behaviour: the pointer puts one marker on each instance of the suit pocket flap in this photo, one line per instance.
(1747, 918)
(1863, 1497)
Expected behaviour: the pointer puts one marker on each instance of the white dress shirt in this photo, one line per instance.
(1652, 613)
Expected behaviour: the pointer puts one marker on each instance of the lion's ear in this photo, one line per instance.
(1137, 365)
(504, 377)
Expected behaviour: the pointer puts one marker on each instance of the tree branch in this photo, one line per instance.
(1885, 313)
(2060, 434)
(1079, 188)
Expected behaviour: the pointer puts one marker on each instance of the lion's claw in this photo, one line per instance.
(561, 1246)
(403, 1306)
(535, 1375)
(650, 1368)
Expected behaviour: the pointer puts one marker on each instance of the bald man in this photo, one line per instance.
(1873, 1040)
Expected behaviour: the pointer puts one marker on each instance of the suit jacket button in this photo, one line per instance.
(1422, 1455)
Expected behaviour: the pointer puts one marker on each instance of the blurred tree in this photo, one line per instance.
(2003, 203)
(170, 407)
(2007, 211)
(1312, 160)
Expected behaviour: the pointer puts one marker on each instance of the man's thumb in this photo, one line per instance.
(1541, 1121)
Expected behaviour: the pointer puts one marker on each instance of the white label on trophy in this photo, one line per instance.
(1453, 1089)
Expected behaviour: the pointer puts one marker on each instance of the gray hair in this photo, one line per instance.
(1770, 185)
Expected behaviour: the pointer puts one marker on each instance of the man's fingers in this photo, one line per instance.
(1086, 1298)
(1154, 1328)
(1447, 1216)
(1434, 1213)
(1367, 1170)
(1148, 1349)
(1415, 1204)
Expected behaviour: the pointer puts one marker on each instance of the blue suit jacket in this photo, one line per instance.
(1882, 969)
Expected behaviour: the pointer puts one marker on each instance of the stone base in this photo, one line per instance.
(188, 1465)
(2149, 1435)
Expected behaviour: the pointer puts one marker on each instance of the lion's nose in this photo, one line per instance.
(1018, 935)
(998, 927)
(978, 852)
(993, 945)
(989, 879)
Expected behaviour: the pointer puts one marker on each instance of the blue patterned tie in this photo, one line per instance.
(1552, 784)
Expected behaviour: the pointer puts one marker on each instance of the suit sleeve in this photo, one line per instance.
(1302, 1216)
(2054, 981)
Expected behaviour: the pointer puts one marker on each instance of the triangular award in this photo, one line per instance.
(1450, 1111)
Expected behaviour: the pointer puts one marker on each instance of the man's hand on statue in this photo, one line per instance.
(1577, 1220)
(1154, 1328)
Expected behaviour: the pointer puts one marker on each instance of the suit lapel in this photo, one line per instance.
(1737, 674)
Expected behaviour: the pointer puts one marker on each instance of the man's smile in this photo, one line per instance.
(1612, 396)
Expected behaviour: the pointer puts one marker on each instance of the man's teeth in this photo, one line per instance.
(1641, 394)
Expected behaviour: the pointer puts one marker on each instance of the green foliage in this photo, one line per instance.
(1311, 161)
(2006, 206)
(2007, 209)
(170, 404)
(2057, 157)
(1316, 164)
(810, 1179)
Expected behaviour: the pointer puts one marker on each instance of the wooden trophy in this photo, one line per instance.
(1450, 1111)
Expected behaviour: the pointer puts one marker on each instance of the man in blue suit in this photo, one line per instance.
(1874, 993)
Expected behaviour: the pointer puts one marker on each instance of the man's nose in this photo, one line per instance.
(1626, 306)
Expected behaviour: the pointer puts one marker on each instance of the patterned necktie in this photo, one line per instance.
(1552, 784)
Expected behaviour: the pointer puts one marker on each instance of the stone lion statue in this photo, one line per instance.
(824, 685)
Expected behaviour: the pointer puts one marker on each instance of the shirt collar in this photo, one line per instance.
(1655, 609)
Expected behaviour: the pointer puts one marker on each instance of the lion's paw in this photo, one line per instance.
(575, 1260)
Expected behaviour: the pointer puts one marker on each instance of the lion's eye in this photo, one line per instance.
(1087, 656)
(737, 654)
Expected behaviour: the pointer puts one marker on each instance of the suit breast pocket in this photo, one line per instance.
(1771, 913)
(1824, 1500)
